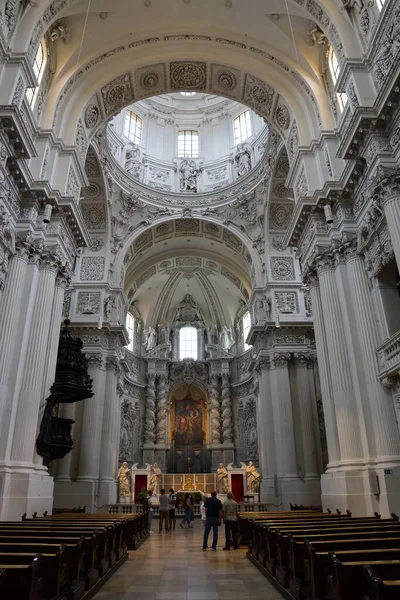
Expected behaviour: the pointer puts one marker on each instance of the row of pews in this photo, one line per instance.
(310, 555)
(66, 556)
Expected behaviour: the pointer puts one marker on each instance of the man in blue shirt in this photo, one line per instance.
(213, 508)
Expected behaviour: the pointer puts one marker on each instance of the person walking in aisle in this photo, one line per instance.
(230, 517)
(214, 513)
(188, 507)
(172, 504)
(164, 510)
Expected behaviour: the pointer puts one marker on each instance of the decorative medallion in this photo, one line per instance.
(92, 115)
(282, 117)
(149, 80)
(188, 75)
(226, 80)
(282, 268)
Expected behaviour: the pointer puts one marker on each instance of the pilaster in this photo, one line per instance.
(265, 432)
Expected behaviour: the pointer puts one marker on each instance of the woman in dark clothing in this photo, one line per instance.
(188, 506)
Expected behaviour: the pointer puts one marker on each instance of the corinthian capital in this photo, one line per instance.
(280, 361)
(64, 276)
(388, 186)
(323, 260)
(23, 244)
(309, 277)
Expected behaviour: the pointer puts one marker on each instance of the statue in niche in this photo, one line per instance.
(222, 479)
(133, 161)
(226, 339)
(163, 334)
(155, 479)
(150, 339)
(212, 334)
(109, 305)
(253, 478)
(189, 173)
(124, 480)
(242, 160)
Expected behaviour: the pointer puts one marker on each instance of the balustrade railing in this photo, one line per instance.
(389, 356)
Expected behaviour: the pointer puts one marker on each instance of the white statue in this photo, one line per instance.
(124, 480)
(222, 479)
(155, 479)
(189, 176)
(253, 478)
(242, 160)
(150, 339)
(212, 334)
(133, 161)
(163, 334)
(226, 339)
(109, 304)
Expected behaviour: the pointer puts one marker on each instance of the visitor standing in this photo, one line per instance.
(203, 510)
(164, 510)
(213, 508)
(188, 511)
(172, 505)
(147, 507)
(230, 517)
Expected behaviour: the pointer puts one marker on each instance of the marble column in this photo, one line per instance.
(9, 314)
(33, 369)
(215, 418)
(150, 410)
(265, 432)
(347, 417)
(388, 193)
(306, 414)
(110, 435)
(311, 281)
(283, 418)
(226, 410)
(162, 410)
(380, 402)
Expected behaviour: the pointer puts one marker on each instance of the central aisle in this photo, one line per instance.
(172, 566)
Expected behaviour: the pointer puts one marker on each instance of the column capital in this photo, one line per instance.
(23, 244)
(95, 360)
(309, 276)
(112, 363)
(263, 364)
(51, 260)
(280, 361)
(301, 360)
(63, 277)
(388, 187)
(323, 260)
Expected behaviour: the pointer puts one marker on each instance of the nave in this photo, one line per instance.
(172, 566)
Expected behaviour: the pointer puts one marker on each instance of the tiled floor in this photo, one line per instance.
(172, 566)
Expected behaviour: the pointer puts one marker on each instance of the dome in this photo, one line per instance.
(187, 142)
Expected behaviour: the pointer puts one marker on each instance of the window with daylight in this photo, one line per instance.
(188, 93)
(242, 127)
(246, 328)
(188, 343)
(188, 143)
(133, 127)
(130, 326)
(335, 70)
(38, 66)
(380, 3)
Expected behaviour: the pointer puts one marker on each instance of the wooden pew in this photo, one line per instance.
(22, 579)
(347, 581)
(309, 563)
(378, 589)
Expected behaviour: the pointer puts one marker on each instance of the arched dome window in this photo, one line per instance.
(133, 127)
(246, 320)
(188, 343)
(242, 127)
(38, 66)
(188, 143)
(334, 69)
(130, 326)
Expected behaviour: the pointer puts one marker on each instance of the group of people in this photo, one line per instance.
(213, 514)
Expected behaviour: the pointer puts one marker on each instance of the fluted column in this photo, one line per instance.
(388, 194)
(380, 402)
(332, 439)
(226, 409)
(30, 394)
(265, 430)
(162, 410)
(9, 314)
(306, 414)
(347, 417)
(110, 433)
(215, 418)
(150, 410)
(283, 417)
(92, 419)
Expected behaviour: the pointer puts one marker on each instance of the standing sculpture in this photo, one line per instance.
(253, 478)
(222, 479)
(155, 479)
(124, 480)
(189, 176)
(226, 339)
(150, 341)
(242, 160)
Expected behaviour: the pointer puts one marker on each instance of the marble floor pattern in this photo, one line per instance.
(172, 566)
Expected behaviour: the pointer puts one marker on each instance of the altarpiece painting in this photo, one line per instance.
(188, 416)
